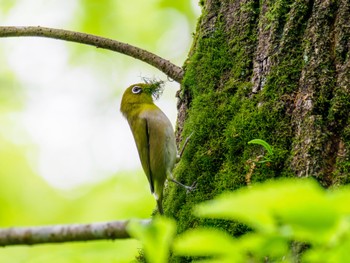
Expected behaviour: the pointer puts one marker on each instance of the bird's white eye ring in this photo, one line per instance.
(136, 89)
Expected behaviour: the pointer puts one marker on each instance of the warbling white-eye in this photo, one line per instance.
(154, 136)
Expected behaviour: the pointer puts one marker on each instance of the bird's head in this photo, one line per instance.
(139, 94)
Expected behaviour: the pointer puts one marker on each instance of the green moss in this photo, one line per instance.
(277, 13)
(212, 109)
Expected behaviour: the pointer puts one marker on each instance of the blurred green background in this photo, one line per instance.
(66, 153)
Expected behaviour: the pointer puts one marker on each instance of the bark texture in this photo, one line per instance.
(277, 70)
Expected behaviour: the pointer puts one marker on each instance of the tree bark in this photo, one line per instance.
(272, 70)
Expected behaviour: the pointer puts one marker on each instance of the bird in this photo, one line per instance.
(154, 136)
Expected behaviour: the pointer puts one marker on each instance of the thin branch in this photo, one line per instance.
(65, 233)
(170, 69)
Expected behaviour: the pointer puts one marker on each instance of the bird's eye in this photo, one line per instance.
(136, 89)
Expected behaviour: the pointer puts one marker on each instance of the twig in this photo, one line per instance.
(170, 69)
(183, 148)
(65, 233)
(252, 166)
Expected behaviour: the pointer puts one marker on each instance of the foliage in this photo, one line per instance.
(266, 146)
(152, 27)
(283, 214)
(156, 238)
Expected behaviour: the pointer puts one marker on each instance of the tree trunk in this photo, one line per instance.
(273, 70)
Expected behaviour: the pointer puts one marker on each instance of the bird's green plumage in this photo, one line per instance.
(153, 134)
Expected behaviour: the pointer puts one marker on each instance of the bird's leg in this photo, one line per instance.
(178, 157)
(188, 188)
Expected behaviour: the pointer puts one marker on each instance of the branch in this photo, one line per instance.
(65, 233)
(162, 64)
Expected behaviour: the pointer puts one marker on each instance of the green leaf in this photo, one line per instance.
(221, 247)
(203, 241)
(300, 204)
(258, 246)
(250, 206)
(310, 219)
(280, 211)
(155, 237)
(340, 198)
(263, 143)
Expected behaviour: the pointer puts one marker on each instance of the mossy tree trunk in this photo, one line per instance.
(277, 70)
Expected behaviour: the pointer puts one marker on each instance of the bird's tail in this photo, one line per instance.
(158, 195)
(160, 206)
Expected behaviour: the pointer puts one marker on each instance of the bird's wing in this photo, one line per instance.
(141, 134)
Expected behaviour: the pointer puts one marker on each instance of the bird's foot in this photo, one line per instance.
(191, 188)
(188, 188)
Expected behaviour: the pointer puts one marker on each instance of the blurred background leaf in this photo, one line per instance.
(281, 213)
(205, 242)
(156, 238)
